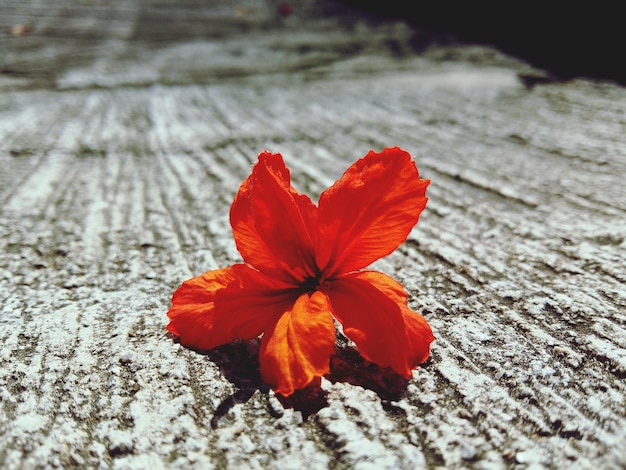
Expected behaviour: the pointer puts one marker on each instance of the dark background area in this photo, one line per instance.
(565, 40)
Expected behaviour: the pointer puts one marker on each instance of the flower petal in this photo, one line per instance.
(226, 304)
(273, 224)
(373, 310)
(369, 211)
(298, 348)
(418, 332)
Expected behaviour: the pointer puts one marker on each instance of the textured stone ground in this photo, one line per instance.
(125, 131)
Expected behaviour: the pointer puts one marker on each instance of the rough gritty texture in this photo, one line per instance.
(124, 134)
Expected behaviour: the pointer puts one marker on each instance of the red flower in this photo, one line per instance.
(303, 267)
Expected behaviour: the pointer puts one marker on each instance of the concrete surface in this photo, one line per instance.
(125, 130)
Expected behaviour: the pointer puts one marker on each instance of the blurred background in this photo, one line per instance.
(567, 39)
(566, 42)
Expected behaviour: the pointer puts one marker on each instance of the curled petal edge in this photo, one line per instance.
(297, 348)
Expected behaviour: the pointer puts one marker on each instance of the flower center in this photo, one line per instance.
(311, 284)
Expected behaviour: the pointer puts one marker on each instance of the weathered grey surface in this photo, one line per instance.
(124, 134)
